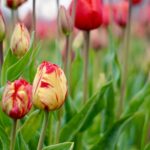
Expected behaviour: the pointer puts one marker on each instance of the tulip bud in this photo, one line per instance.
(64, 21)
(2, 28)
(49, 87)
(20, 40)
(14, 4)
(16, 100)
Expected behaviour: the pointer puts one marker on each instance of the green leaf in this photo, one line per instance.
(1, 92)
(20, 143)
(70, 109)
(17, 69)
(84, 117)
(4, 139)
(61, 146)
(147, 147)
(109, 140)
(145, 130)
(109, 111)
(9, 61)
(31, 125)
(137, 100)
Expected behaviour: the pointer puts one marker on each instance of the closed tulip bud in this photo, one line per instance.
(16, 100)
(14, 4)
(64, 21)
(88, 14)
(20, 40)
(2, 28)
(49, 87)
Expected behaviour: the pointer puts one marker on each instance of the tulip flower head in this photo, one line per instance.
(2, 28)
(106, 15)
(120, 13)
(88, 14)
(20, 40)
(65, 23)
(14, 4)
(49, 87)
(16, 100)
(135, 2)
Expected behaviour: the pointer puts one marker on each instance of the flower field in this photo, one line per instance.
(78, 82)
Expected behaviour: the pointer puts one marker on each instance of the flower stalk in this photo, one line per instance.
(1, 54)
(13, 135)
(44, 127)
(125, 60)
(34, 17)
(86, 61)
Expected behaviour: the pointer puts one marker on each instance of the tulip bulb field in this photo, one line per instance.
(80, 81)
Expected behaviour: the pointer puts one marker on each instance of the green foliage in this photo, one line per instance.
(82, 119)
(61, 146)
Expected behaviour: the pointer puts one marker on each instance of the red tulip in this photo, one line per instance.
(88, 14)
(134, 2)
(16, 101)
(120, 13)
(14, 4)
(106, 15)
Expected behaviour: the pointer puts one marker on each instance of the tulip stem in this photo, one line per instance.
(1, 54)
(44, 127)
(125, 63)
(13, 135)
(60, 112)
(66, 60)
(86, 61)
(34, 17)
(57, 5)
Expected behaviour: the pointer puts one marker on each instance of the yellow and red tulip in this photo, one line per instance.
(16, 100)
(20, 40)
(49, 87)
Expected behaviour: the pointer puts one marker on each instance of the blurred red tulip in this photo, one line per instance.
(106, 15)
(63, 53)
(14, 4)
(134, 2)
(99, 39)
(120, 13)
(88, 14)
(27, 20)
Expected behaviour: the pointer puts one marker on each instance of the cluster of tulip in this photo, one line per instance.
(49, 89)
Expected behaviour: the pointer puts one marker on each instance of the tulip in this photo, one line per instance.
(134, 2)
(106, 15)
(16, 99)
(65, 24)
(14, 4)
(2, 28)
(88, 14)
(20, 40)
(120, 13)
(49, 87)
